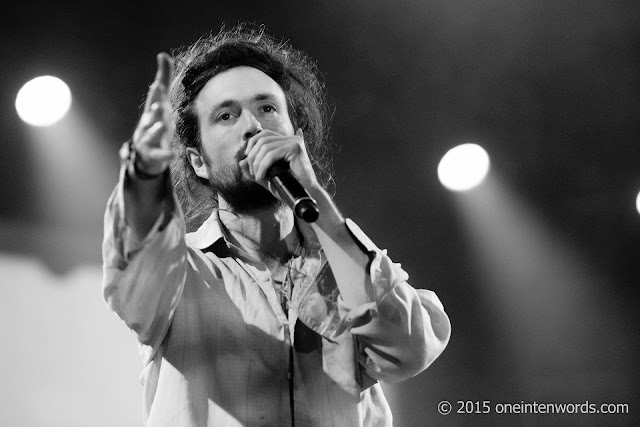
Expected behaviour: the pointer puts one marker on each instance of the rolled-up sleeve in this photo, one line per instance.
(143, 280)
(404, 330)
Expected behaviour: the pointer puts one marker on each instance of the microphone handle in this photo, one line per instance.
(292, 192)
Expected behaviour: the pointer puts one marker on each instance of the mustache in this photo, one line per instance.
(240, 155)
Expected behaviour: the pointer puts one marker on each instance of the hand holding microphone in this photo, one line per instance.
(292, 192)
(282, 161)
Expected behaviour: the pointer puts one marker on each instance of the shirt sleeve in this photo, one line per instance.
(404, 330)
(143, 280)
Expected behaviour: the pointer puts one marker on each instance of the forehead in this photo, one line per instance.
(238, 84)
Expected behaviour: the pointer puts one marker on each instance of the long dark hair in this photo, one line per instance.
(244, 45)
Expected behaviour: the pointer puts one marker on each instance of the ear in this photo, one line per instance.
(197, 163)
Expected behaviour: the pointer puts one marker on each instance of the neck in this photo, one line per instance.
(268, 234)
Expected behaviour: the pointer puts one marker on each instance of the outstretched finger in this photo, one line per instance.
(159, 87)
(148, 119)
(152, 136)
(164, 75)
(154, 96)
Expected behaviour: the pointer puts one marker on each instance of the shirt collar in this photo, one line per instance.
(207, 234)
(211, 231)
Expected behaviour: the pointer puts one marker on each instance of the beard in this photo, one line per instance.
(241, 194)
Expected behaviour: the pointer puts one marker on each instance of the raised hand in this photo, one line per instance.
(152, 137)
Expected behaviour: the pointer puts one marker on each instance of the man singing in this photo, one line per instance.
(246, 314)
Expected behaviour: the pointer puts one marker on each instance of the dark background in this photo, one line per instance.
(549, 89)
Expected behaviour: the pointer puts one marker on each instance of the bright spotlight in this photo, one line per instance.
(638, 203)
(463, 167)
(43, 101)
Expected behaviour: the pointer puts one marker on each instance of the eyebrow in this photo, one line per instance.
(258, 97)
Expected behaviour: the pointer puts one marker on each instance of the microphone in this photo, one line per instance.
(292, 192)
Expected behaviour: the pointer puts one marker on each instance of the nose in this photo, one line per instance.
(253, 127)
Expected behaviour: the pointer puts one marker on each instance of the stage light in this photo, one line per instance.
(638, 203)
(43, 101)
(463, 167)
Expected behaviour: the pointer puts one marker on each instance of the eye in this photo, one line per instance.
(268, 108)
(223, 117)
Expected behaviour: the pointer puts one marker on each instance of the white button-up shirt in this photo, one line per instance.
(219, 350)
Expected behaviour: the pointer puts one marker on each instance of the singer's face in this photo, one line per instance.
(231, 108)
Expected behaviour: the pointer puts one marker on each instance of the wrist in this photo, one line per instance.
(130, 157)
(329, 216)
(140, 173)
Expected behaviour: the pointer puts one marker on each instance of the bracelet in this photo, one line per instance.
(129, 156)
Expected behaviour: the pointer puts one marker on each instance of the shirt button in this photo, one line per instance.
(289, 376)
(265, 278)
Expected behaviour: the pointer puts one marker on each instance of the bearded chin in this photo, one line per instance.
(241, 194)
